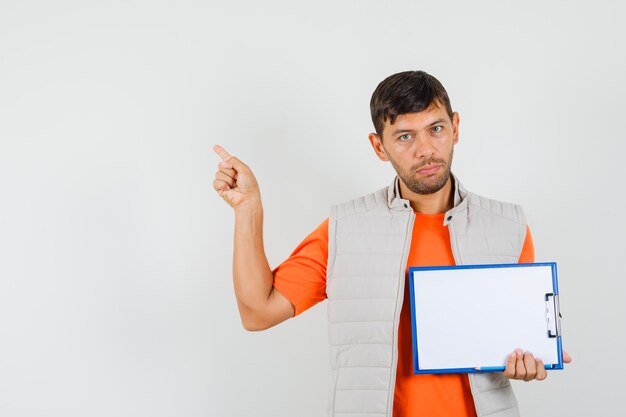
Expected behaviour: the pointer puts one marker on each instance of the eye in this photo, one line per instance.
(437, 129)
(405, 137)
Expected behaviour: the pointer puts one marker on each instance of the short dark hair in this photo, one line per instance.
(406, 92)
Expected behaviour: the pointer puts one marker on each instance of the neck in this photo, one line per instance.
(435, 203)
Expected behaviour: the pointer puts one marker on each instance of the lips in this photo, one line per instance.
(429, 169)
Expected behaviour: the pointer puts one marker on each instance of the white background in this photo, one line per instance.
(115, 254)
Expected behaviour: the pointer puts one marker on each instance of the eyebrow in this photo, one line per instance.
(436, 122)
(398, 131)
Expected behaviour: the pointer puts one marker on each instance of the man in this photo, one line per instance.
(358, 259)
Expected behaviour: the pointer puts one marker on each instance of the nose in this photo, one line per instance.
(424, 147)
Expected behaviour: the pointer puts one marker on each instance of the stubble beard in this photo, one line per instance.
(429, 185)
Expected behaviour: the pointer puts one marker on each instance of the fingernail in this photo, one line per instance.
(519, 352)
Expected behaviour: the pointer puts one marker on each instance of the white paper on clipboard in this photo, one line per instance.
(468, 317)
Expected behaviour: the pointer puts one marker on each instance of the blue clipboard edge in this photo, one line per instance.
(416, 370)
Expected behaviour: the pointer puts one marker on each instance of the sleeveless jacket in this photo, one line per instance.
(368, 246)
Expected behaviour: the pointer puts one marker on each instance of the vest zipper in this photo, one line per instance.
(457, 261)
(399, 302)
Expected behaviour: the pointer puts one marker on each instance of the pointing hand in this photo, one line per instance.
(234, 181)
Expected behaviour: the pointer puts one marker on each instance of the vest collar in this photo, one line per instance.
(396, 202)
(460, 201)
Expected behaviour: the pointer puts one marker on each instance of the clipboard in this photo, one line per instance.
(469, 318)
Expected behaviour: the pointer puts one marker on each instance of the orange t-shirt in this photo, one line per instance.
(302, 279)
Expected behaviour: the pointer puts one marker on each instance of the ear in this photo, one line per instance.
(377, 144)
(455, 126)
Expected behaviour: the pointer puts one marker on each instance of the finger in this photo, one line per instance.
(231, 197)
(220, 186)
(222, 153)
(520, 369)
(219, 175)
(230, 161)
(541, 370)
(227, 169)
(509, 370)
(567, 358)
(237, 165)
(530, 366)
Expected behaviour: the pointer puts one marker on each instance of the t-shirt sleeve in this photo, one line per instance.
(302, 276)
(528, 250)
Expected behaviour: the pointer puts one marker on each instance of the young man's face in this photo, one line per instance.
(420, 147)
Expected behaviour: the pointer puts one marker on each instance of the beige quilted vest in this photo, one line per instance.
(368, 247)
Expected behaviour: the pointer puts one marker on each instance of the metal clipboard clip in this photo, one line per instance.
(553, 315)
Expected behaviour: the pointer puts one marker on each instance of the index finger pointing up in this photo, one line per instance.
(221, 152)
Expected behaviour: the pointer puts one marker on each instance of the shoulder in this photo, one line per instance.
(373, 202)
(509, 211)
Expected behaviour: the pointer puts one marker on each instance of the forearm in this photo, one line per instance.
(259, 305)
(252, 277)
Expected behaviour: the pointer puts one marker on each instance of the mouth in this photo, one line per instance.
(429, 169)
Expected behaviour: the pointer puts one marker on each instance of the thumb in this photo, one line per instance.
(566, 357)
